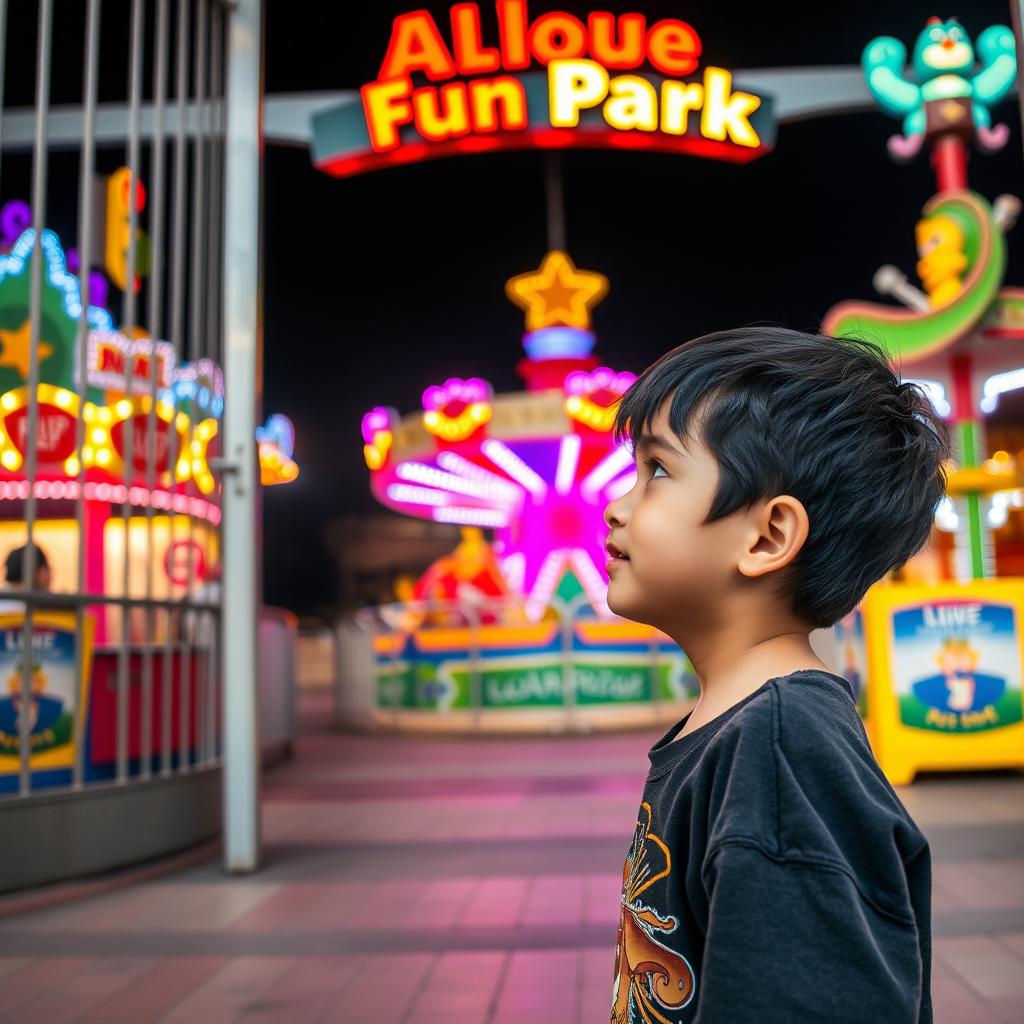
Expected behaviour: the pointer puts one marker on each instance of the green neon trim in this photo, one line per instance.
(975, 537)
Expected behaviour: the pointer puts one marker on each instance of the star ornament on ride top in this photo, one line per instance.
(557, 294)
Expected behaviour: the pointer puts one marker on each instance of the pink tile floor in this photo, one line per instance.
(432, 881)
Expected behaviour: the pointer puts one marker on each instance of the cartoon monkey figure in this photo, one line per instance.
(944, 71)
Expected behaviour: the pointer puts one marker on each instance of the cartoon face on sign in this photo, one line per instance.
(43, 710)
(958, 660)
(957, 665)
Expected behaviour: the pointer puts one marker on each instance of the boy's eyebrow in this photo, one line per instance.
(648, 441)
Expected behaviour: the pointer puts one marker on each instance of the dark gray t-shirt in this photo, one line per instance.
(774, 876)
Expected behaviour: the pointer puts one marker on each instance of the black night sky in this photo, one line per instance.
(379, 285)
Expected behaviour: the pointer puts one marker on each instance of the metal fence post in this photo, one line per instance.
(242, 359)
(475, 680)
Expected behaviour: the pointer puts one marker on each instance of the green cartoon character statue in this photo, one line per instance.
(949, 95)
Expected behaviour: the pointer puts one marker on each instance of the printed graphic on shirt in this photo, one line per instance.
(650, 979)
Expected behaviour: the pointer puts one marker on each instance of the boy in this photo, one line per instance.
(774, 875)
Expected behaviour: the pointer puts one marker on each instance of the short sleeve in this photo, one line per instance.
(796, 941)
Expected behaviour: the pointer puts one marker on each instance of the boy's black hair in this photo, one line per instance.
(824, 420)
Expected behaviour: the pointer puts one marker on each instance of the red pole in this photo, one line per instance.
(949, 161)
(963, 394)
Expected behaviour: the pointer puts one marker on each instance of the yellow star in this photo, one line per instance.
(16, 348)
(557, 293)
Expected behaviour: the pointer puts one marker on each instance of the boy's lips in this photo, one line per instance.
(615, 554)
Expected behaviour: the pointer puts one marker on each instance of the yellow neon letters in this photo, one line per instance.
(631, 102)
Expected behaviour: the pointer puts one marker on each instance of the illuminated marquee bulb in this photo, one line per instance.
(466, 515)
(455, 409)
(378, 433)
(593, 398)
(276, 445)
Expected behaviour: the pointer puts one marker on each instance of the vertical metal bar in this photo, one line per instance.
(475, 675)
(217, 332)
(243, 337)
(555, 199)
(204, 756)
(570, 613)
(218, 702)
(86, 179)
(178, 213)
(156, 271)
(195, 351)
(128, 433)
(395, 686)
(196, 292)
(213, 332)
(177, 339)
(3, 64)
(216, 184)
(156, 283)
(39, 168)
(215, 199)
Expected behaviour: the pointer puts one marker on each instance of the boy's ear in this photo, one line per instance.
(776, 531)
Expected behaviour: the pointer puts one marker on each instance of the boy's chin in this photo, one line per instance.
(625, 609)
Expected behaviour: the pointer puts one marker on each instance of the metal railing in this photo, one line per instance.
(362, 700)
(162, 631)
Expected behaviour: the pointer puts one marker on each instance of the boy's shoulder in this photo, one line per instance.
(803, 727)
(794, 768)
(800, 714)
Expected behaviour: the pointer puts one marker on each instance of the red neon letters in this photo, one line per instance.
(464, 93)
(615, 41)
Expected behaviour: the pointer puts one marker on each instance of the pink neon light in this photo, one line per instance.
(455, 394)
(379, 418)
(568, 460)
(541, 492)
(599, 384)
(116, 494)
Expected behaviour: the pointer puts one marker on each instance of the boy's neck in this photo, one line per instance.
(731, 666)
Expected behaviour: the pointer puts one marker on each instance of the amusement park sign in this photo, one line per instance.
(610, 81)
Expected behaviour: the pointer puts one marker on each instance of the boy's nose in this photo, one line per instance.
(613, 516)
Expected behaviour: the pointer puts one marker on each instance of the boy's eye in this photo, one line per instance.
(653, 465)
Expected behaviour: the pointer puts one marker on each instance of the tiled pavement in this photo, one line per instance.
(430, 881)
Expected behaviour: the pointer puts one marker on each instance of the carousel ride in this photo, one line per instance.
(529, 624)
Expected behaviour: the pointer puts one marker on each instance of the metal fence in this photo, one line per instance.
(158, 621)
(361, 700)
